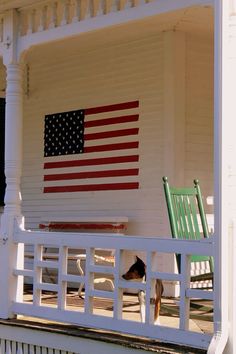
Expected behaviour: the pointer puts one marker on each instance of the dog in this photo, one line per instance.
(137, 272)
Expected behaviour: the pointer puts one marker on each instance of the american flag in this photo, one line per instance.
(92, 149)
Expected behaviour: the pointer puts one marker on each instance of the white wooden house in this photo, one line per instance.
(167, 65)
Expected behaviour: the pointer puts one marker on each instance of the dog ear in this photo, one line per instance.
(138, 259)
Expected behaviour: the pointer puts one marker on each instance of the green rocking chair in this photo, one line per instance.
(186, 213)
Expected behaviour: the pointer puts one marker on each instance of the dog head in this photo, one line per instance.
(137, 271)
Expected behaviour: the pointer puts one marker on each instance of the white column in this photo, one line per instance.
(10, 253)
(223, 340)
(13, 138)
(228, 178)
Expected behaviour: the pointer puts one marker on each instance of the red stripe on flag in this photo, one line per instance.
(111, 134)
(92, 174)
(92, 187)
(114, 120)
(111, 147)
(90, 162)
(111, 107)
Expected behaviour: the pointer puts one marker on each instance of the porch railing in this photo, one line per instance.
(55, 13)
(90, 244)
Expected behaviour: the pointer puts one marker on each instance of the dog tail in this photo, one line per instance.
(159, 292)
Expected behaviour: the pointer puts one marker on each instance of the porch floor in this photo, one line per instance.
(201, 320)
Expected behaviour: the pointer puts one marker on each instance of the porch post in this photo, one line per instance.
(13, 136)
(10, 253)
(225, 182)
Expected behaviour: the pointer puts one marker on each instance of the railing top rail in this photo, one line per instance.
(112, 240)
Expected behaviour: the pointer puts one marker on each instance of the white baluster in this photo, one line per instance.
(76, 16)
(94, 7)
(13, 347)
(25, 348)
(42, 18)
(2, 346)
(135, 3)
(62, 269)
(19, 349)
(53, 15)
(38, 252)
(107, 6)
(31, 21)
(65, 12)
(8, 347)
(121, 5)
(83, 9)
(89, 281)
(100, 7)
(37, 350)
(115, 5)
(118, 292)
(31, 348)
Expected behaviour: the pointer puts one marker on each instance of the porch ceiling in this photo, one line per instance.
(197, 19)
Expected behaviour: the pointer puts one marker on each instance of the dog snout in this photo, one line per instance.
(129, 276)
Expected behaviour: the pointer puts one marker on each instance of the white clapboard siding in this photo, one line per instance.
(110, 74)
(114, 73)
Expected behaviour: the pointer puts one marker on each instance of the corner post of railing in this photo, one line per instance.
(11, 258)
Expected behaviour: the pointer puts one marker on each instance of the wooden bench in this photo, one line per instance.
(85, 224)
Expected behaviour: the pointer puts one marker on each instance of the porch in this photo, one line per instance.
(144, 72)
